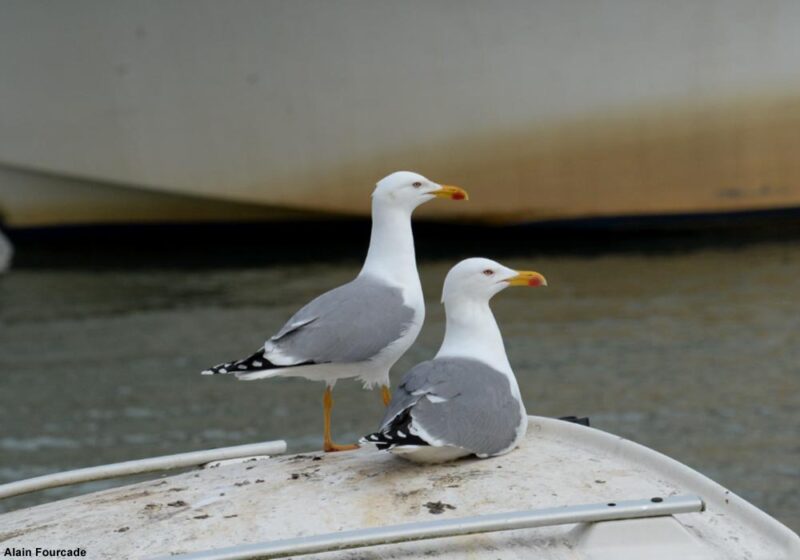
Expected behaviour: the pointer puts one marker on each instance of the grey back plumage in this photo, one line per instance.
(351, 323)
(479, 412)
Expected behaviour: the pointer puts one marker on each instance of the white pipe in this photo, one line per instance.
(139, 466)
(654, 507)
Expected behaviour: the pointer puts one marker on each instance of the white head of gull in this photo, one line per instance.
(391, 254)
(466, 401)
(359, 329)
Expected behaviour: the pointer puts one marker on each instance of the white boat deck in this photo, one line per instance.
(559, 464)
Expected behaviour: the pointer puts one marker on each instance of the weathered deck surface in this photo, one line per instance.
(307, 494)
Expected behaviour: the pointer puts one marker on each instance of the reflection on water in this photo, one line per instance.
(696, 355)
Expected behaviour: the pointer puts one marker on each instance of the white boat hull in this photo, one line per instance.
(542, 110)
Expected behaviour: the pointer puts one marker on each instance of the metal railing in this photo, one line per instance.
(139, 466)
(653, 507)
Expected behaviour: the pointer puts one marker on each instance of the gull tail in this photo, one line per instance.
(396, 434)
(254, 366)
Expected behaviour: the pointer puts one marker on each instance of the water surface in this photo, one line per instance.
(694, 354)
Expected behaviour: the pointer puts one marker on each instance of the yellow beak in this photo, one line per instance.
(453, 193)
(527, 278)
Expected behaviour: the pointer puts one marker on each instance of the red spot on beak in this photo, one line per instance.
(534, 282)
(458, 196)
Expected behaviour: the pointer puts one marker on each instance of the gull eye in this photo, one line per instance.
(488, 272)
(416, 184)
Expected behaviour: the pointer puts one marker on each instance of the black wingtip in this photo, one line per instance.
(377, 439)
(255, 362)
(395, 434)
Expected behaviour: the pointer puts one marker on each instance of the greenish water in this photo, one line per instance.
(695, 354)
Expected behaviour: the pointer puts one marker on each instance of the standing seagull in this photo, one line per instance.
(361, 328)
(466, 400)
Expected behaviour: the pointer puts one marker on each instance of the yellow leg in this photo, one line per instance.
(327, 406)
(386, 394)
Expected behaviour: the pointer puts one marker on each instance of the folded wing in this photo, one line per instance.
(457, 402)
(349, 324)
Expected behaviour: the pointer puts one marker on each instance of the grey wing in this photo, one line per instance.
(459, 402)
(348, 324)
(423, 379)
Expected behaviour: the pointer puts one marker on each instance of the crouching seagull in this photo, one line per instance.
(465, 401)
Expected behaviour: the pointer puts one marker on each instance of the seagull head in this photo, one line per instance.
(408, 190)
(479, 279)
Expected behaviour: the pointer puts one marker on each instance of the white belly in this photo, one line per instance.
(430, 454)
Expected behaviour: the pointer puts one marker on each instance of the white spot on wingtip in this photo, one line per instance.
(401, 433)
(257, 364)
(206, 372)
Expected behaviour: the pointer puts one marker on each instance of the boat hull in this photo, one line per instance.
(543, 111)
